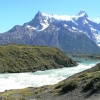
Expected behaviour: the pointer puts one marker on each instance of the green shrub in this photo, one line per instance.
(93, 84)
(71, 85)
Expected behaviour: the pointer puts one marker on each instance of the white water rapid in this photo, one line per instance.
(21, 80)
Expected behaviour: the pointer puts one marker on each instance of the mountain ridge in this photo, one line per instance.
(47, 30)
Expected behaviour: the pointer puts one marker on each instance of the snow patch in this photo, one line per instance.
(86, 21)
(65, 25)
(44, 26)
(92, 29)
(98, 44)
(97, 37)
(74, 28)
(46, 15)
(58, 17)
(30, 27)
(81, 15)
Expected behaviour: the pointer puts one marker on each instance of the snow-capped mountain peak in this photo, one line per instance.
(82, 13)
(75, 33)
(41, 20)
(56, 17)
(76, 23)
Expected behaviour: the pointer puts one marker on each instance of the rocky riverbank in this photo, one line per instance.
(81, 86)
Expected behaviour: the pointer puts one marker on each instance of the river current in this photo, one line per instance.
(22, 80)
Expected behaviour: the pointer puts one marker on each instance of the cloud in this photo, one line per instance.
(96, 20)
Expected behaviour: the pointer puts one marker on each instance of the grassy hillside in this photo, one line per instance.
(82, 86)
(87, 80)
(23, 58)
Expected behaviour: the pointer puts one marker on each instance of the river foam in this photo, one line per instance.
(22, 80)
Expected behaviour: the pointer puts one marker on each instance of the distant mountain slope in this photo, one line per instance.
(69, 33)
(23, 58)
